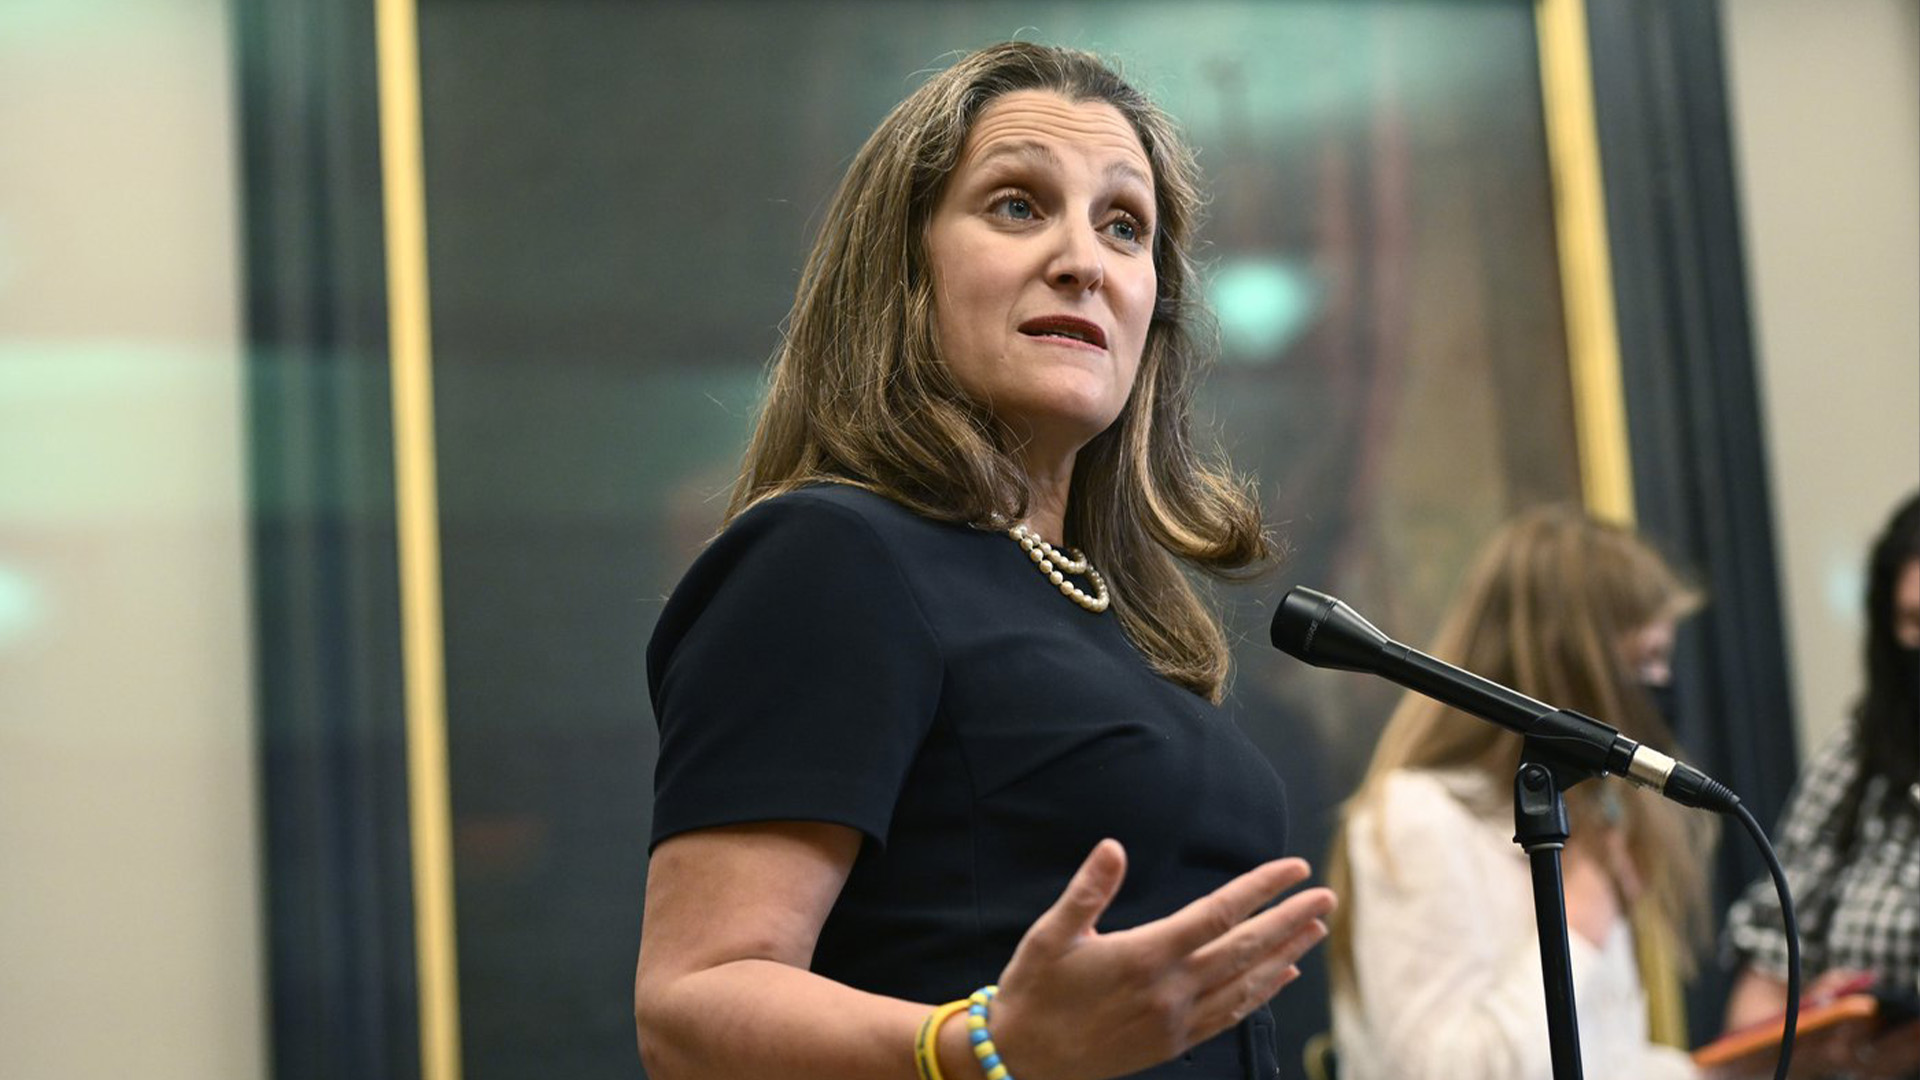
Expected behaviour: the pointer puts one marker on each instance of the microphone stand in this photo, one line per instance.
(1541, 829)
(1560, 749)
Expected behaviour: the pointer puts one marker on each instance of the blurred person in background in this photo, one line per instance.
(1435, 953)
(1850, 844)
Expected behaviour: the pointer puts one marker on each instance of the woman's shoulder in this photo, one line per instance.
(1827, 776)
(825, 554)
(1421, 831)
(828, 537)
(1430, 799)
(1838, 752)
(833, 507)
(1455, 790)
(825, 530)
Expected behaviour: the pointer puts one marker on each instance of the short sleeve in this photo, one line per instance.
(793, 675)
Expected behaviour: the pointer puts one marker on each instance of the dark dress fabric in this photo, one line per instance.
(835, 657)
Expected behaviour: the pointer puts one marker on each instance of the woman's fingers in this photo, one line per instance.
(1218, 912)
(1245, 987)
(1231, 1002)
(1083, 901)
(1074, 1002)
(1286, 931)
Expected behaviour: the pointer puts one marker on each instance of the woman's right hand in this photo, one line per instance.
(1076, 1004)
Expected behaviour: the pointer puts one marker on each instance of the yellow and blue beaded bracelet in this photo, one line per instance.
(978, 1036)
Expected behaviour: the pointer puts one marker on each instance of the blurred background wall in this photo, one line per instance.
(1826, 115)
(129, 925)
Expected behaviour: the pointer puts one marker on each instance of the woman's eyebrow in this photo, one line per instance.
(1025, 152)
(1126, 171)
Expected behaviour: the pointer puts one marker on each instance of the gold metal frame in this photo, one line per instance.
(418, 514)
(1586, 267)
(1593, 352)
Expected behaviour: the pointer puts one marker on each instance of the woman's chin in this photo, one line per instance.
(1062, 427)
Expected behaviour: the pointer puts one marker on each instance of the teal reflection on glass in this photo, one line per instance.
(19, 606)
(1846, 583)
(1264, 305)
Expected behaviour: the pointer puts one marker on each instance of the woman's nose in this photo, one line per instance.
(1078, 262)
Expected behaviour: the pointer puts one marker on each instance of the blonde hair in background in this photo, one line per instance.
(860, 393)
(1547, 609)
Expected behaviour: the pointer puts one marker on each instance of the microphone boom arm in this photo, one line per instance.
(1324, 632)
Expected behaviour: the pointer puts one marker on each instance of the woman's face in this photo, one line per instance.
(1649, 652)
(1906, 606)
(1042, 257)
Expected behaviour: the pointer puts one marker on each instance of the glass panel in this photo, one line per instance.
(620, 198)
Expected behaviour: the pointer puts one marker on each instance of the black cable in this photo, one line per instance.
(1793, 939)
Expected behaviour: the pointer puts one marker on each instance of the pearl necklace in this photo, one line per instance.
(1055, 565)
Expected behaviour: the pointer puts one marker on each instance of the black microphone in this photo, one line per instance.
(1324, 632)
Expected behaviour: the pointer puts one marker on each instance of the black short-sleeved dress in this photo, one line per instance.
(834, 657)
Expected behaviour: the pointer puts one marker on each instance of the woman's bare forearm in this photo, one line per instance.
(767, 1018)
(723, 988)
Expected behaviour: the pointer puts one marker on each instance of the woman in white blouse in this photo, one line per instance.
(1436, 962)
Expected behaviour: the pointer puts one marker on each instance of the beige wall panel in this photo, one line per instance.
(1825, 98)
(130, 936)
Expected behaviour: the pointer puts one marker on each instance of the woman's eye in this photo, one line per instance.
(1018, 207)
(1129, 229)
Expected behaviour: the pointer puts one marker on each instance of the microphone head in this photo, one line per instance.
(1312, 626)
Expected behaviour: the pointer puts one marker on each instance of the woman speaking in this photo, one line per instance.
(943, 780)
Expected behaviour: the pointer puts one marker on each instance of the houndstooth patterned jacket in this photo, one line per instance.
(1856, 891)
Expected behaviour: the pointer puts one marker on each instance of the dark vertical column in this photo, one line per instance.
(1687, 356)
(329, 690)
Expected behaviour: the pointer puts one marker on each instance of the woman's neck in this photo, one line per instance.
(1047, 502)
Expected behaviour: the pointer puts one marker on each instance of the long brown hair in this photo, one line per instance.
(1884, 717)
(860, 393)
(1546, 609)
